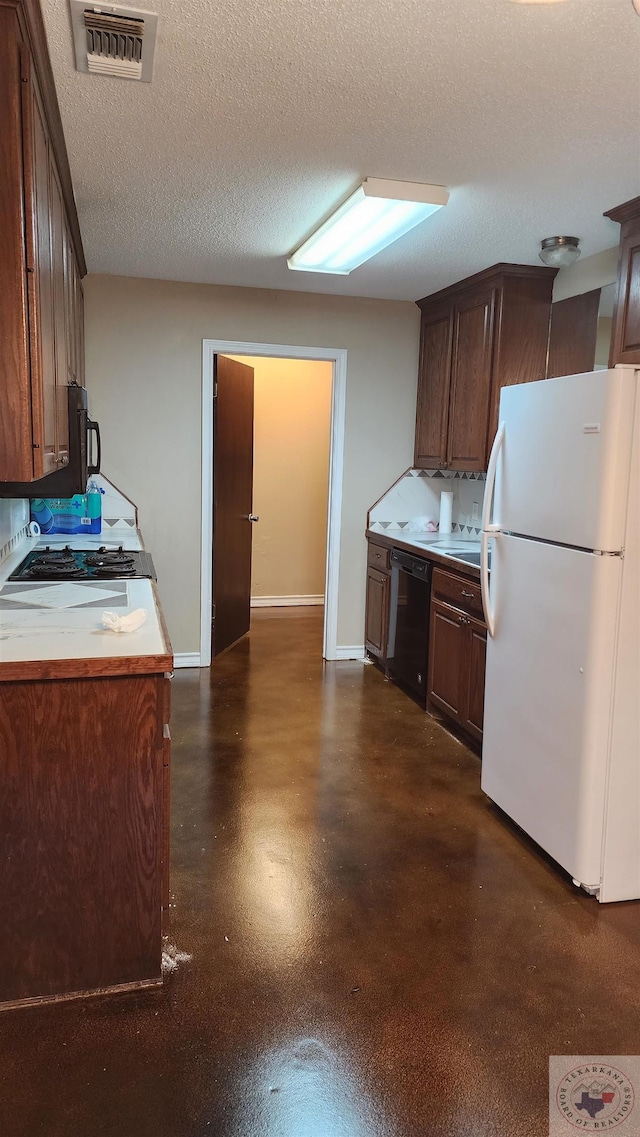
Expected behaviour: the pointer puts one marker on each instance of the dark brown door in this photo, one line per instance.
(232, 501)
(434, 375)
(471, 380)
(574, 331)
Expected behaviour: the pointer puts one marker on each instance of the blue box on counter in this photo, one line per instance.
(81, 513)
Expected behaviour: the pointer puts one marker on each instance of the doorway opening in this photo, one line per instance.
(285, 570)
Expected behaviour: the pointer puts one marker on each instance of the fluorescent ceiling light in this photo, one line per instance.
(370, 219)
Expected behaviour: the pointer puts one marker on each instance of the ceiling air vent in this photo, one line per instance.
(114, 41)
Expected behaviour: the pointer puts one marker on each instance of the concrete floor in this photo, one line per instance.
(376, 952)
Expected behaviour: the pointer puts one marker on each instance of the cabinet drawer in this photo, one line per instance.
(462, 594)
(378, 557)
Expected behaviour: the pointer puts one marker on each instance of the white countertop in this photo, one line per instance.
(62, 620)
(447, 545)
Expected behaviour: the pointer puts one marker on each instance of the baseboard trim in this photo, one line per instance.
(192, 658)
(285, 601)
(355, 651)
(186, 659)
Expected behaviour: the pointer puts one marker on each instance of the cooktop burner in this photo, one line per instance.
(55, 570)
(109, 558)
(54, 556)
(85, 564)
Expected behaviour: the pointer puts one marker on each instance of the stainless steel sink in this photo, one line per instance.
(470, 558)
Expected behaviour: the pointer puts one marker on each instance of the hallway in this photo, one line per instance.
(375, 951)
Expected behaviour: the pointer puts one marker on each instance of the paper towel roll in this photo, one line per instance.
(446, 511)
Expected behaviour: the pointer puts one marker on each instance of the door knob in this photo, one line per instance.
(253, 517)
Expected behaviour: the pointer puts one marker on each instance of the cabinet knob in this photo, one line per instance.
(468, 595)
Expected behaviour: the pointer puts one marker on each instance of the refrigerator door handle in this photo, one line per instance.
(489, 617)
(491, 480)
(488, 529)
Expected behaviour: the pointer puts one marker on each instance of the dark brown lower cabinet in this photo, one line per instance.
(446, 651)
(457, 647)
(84, 814)
(377, 613)
(473, 705)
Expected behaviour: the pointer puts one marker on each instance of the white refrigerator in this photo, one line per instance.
(561, 746)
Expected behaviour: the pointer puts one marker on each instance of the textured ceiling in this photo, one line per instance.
(262, 116)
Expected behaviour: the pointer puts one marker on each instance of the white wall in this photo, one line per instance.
(144, 347)
(14, 516)
(586, 274)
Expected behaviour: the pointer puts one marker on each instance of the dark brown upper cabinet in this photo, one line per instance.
(473, 323)
(625, 338)
(42, 261)
(434, 385)
(477, 336)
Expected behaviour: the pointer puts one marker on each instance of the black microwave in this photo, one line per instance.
(72, 477)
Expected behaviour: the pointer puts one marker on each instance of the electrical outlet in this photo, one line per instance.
(475, 511)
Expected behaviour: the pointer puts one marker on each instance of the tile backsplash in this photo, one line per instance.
(414, 500)
(14, 519)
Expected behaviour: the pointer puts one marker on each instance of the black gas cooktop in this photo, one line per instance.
(84, 564)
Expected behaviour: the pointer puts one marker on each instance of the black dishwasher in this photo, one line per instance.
(409, 623)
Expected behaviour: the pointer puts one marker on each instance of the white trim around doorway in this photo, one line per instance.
(337, 356)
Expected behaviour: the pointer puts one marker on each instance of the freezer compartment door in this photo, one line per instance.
(548, 696)
(563, 469)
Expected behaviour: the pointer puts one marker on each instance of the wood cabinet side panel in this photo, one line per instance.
(60, 313)
(166, 823)
(522, 338)
(41, 284)
(32, 23)
(16, 449)
(80, 835)
(573, 335)
(625, 340)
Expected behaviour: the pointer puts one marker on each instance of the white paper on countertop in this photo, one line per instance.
(124, 624)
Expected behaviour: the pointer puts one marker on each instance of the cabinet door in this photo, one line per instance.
(471, 380)
(78, 324)
(60, 315)
(473, 677)
(446, 653)
(377, 613)
(625, 341)
(37, 162)
(70, 308)
(434, 378)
